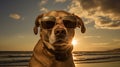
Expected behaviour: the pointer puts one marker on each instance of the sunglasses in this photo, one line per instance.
(49, 22)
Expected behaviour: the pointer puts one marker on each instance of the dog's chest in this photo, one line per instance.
(62, 64)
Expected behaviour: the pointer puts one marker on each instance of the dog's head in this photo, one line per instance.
(57, 28)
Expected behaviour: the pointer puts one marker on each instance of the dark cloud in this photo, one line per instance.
(107, 6)
(88, 4)
(107, 23)
(110, 6)
(105, 13)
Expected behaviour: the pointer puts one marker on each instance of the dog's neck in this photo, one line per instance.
(59, 56)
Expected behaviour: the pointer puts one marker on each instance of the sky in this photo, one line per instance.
(101, 19)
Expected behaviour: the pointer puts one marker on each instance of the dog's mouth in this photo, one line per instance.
(62, 49)
(60, 44)
(60, 41)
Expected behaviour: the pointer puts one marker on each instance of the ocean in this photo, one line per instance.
(81, 58)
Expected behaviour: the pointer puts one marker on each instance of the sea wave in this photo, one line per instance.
(21, 58)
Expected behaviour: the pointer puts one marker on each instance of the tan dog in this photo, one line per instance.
(57, 29)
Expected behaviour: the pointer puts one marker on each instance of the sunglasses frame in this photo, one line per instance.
(66, 21)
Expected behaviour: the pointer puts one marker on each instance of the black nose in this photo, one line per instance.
(60, 32)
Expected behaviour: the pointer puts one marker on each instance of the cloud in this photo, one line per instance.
(42, 6)
(110, 43)
(105, 13)
(92, 37)
(105, 22)
(60, 1)
(15, 16)
(43, 9)
(100, 44)
(43, 2)
(116, 40)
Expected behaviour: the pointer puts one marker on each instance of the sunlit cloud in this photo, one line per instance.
(106, 22)
(116, 40)
(43, 2)
(112, 44)
(15, 16)
(92, 37)
(60, 1)
(43, 9)
(100, 44)
(105, 13)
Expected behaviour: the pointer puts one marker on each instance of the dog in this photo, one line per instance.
(57, 29)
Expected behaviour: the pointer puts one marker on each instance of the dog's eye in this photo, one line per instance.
(69, 24)
(47, 24)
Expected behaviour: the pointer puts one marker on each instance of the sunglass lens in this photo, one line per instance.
(69, 24)
(47, 24)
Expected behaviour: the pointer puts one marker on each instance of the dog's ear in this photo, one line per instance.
(80, 24)
(37, 24)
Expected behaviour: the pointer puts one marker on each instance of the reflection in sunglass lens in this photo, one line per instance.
(47, 24)
(69, 24)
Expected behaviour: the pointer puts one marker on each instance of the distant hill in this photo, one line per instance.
(115, 50)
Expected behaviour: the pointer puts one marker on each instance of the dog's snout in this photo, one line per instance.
(60, 32)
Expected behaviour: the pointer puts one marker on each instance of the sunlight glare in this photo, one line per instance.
(74, 42)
